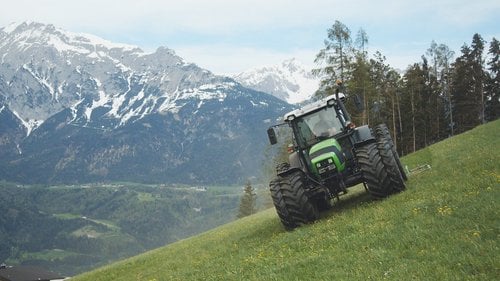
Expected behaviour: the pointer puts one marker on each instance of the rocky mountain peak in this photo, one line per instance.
(293, 65)
(290, 80)
(79, 108)
(84, 72)
(26, 34)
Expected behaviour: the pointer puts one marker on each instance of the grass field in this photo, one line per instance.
(445, 226)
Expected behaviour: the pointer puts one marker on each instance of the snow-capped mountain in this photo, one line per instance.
(290, 81)
(48, 69)
(75, 107)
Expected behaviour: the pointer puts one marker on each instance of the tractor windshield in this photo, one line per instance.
(317, 126)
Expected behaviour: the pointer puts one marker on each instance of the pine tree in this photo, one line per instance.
(248, 201)
(463, 106)
(430, 105)
(479, 75)
(359, 82)
(414, 82)
(385, 100)
(361, 85)
(442, 117)
(493, 82)
(336, 56)
(467, 88)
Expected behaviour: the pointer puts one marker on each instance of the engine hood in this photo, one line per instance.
(327, 152)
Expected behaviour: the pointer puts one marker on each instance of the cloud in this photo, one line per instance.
(226, 16)
(224, 35)
(228, 59)
(188, 15)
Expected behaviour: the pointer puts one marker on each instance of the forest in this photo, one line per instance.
(72, 228)
(442, 95)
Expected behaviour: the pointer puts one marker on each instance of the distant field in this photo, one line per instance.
(445, 226)
(71, 229)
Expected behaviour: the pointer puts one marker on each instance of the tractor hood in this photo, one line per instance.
(327, 156)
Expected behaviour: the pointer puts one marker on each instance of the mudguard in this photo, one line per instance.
(294, 160)
(295, 164)
(362, 135)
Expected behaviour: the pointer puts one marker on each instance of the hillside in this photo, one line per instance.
(444, 227)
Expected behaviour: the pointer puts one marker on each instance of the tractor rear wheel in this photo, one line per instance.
(374, 171)
(385, 148)
(293, 205)
(282, 167)
(382, 132)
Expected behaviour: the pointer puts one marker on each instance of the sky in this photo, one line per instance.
(231, 36)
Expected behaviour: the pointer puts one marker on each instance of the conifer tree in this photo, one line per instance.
(359, 82)
(248, 201)
(414, 81)
(468, 81)
(479, 75)
(336, 57)
(442, 117)
(493, 82)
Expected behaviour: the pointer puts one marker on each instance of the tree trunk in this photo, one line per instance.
(394, 121)
(413, 120)
(400, 122)
(450, 108)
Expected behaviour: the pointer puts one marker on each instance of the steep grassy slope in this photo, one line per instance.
(444, 227)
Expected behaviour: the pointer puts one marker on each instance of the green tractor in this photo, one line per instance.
(330, 154)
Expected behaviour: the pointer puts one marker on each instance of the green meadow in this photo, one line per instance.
(445, 226)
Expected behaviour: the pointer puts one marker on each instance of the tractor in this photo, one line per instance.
(328, 155)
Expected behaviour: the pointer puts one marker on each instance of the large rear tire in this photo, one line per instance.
(291, 201)
(375, 174)
(382, 132)
(385, 148)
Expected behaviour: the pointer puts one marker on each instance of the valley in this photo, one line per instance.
(73, 228)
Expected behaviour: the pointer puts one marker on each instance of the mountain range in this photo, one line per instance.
(77, 108)
(290, 81)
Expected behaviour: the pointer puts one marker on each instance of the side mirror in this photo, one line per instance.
(358, 102)
(271, 134)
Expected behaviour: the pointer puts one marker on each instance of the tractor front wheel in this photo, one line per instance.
(293, 205)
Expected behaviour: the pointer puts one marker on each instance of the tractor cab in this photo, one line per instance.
(317, 129)
(314, 122)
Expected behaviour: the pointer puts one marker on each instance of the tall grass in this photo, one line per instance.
(445, 226)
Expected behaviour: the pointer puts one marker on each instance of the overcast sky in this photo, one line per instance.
(229, 36)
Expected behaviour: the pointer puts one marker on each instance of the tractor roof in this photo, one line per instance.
(310, 107)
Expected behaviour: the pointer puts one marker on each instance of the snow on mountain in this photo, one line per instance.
(27, 33)
(69, 70)
(78, 108)
(290, 81)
